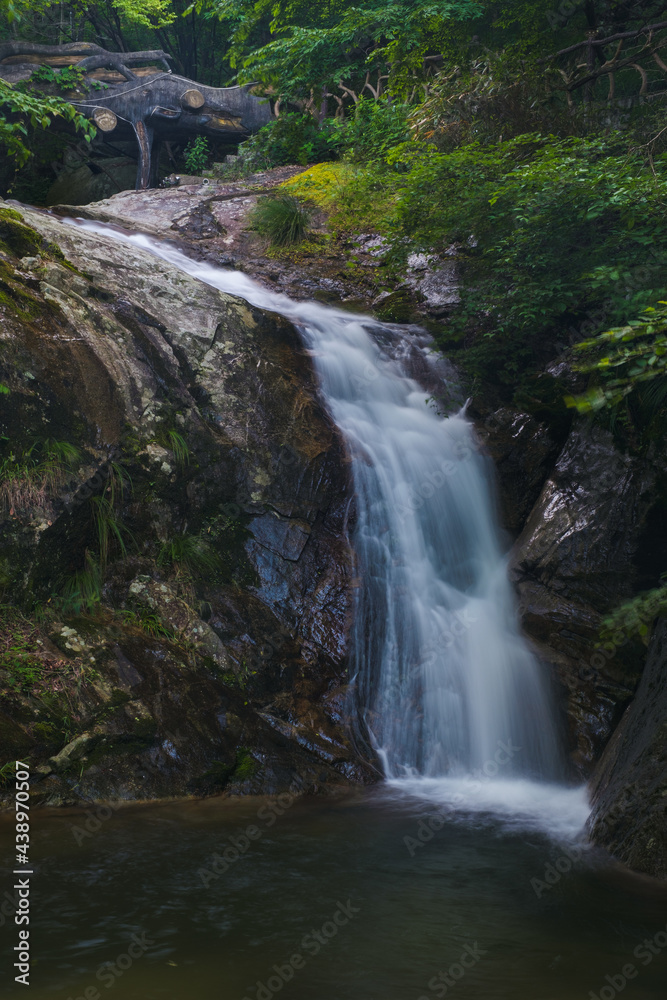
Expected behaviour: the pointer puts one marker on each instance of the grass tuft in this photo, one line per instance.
(282, 218)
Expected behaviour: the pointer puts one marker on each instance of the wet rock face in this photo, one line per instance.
(629, 786)
(574, 562)
(523, 452)
(196, 417)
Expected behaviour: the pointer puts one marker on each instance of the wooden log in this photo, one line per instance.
(105, 119)
(144, 136)
(192, 99)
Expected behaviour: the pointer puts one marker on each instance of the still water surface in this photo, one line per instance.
(466, 891)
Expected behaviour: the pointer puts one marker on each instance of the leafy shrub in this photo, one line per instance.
(282, 218)
(558, 238)
(625, 359)
(196, 155)
(291, 138)
(21, 112)
(366, 136)
(636, 617)
(68, 78)
(375, 128)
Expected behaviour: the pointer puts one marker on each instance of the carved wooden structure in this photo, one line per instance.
(141, 99)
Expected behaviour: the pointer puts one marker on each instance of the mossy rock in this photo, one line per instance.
(218, 774)
(397, 307)
(15, 237)
(246, 765)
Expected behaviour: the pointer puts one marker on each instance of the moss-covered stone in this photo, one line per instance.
(16, 237)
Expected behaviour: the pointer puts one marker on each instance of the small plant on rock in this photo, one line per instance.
(282, 218)
(188, 556)
(196, 155)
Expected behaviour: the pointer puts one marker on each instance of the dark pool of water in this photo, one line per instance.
(391, 923)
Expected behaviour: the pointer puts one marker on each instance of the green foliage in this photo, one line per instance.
(282, 218)
(636, 617)
(324, 45)
(626, 359)
(19, 649)
(246, 765)
(21, 111)
(196, 155)
(150, 622)
(188, 555)
(148, 13)
(83, 592)
(179, 448)
(291, 138)
(374, 130)
(8, 772)
(67, 78)
(555, 236)
(110, 530)
(30, 477)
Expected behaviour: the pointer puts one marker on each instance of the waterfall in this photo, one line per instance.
(445, 684)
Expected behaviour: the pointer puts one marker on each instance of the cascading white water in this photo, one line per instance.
(444, 679)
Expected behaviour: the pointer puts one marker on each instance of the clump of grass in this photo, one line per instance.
(28, 480)
(179, 448)
(149, 622)
(188, 555)
(83, 591)
(22, 654)
(110, 529)
(282, 218)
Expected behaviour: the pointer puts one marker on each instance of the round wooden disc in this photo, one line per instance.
(105, 119)
(192, 99)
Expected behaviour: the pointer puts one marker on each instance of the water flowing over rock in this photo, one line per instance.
(426, 542)
(131, 358)
(280, 443)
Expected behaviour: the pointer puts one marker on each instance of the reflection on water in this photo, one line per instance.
(339, 899)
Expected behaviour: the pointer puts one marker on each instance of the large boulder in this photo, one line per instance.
(574, 562)
(629, 786)
(207, 467)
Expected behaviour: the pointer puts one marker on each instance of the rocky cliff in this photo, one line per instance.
(574, 562)
(629, 787)
(174, 506)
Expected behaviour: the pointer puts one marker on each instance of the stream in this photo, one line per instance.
(466, 872)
